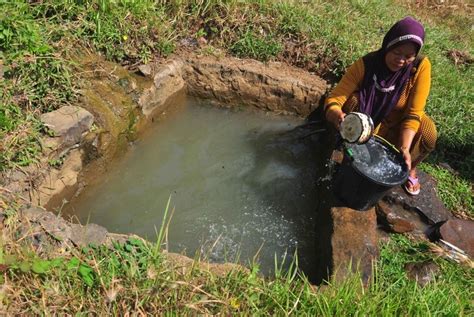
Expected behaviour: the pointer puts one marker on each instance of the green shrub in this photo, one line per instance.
(260, 47)
(19, 33)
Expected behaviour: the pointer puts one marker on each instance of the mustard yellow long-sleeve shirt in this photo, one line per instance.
(411, 106)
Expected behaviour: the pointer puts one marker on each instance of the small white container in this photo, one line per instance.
(357, 127)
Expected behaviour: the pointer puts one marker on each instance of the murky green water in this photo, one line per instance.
(239, 182)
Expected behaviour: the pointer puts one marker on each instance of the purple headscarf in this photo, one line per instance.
(381, 88)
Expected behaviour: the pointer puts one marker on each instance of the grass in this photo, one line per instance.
(453, 190)
(251, 45)
(35, 79)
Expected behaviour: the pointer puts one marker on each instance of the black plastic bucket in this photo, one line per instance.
(367, 171)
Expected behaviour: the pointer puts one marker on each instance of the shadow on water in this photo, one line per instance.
(295, 164)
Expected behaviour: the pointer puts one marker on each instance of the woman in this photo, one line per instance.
(392, 85)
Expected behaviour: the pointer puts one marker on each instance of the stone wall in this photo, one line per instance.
(272, 87)
(115, 105)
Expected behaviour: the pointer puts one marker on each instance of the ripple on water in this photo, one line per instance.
(377, 161)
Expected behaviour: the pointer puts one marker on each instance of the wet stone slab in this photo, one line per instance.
(394, 217)
(354, 242)
(426, 204)
(68, 122)
(89, 234)
(458, 232)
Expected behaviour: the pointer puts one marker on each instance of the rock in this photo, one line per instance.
(460, 233)
(34, 234)
(448, 167)
(89, 234)
(68, 122)
(422, 272)
(394, 217)
(55, 226)
(120, 238)
(145, 69)
(90, 147)
(267, 86)
(354, 242)
(189, 42)
(183, 264)
(132, 86)
(426, 203)
(16, 182)
(166, 83)
(33, 213)
(202, 41)
(59, 180)
(383, 236)
(171, 69)
(38, 224)
(128, 83)
(50, 145)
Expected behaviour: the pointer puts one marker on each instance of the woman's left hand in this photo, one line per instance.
(406, 156)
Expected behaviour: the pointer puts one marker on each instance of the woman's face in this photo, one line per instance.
(400, 56)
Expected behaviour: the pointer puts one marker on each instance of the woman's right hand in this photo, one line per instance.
(335, 115)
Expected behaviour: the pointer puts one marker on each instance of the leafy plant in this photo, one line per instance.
(261, 47)
(42, 82)
(19, 142)
(19, 33)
